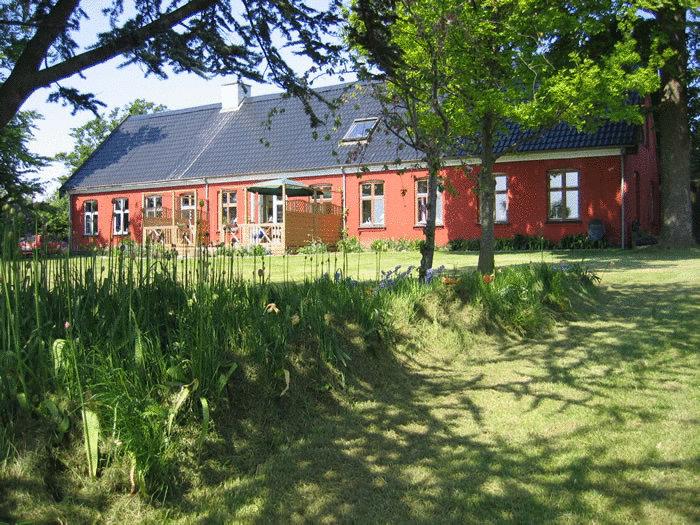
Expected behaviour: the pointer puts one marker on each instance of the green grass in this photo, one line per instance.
(448, 421)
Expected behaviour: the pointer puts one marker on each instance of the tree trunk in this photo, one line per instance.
(674, 134)
(428, 248)
(487, 198)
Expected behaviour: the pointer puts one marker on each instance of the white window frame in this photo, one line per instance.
(372, 198)
(277, 210)
(563, 191)
(228, 204)
(349, 139)
(120, 209)
(188, 210)
(498, 192)
(150, 208)
(90, 217)
(422, 200)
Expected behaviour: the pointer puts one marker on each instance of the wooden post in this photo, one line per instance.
(284, 217)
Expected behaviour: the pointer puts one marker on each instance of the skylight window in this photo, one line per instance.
(360, 129)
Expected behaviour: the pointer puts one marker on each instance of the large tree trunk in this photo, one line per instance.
(674, 133)
(428, 249)
(487, 198)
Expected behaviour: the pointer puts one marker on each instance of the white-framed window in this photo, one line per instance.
(154, 206)
(229, 207)
(271, 209)
(90, 218)
(500, 211)
(360, 129)
(422, 203)
(187, 207)
(372, 204)
(323, 192)
(120, 216)
(563, 195)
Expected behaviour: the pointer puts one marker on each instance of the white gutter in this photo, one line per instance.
(622, 198)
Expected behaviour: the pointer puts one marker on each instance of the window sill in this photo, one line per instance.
(564, 221)
(123, 234)
(372, 227)
(496, 224)
(422, 225)
(91, 234)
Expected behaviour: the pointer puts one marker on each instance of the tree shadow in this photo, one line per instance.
(512, 434)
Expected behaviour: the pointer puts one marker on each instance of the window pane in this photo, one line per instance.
(94, 223)
(555, 205)
(501, 207)
(126, 221)
(379, 210)
(438, 209)
(366, 212)
(360, 129)
(556, 180)
(572, 204)
(118, 223)
(572, 179)
(422, 186)
(327, 193)
(501, 183)
(366, 189)
(379, 189)
(422, 210)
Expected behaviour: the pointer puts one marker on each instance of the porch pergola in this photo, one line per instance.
(301, 222)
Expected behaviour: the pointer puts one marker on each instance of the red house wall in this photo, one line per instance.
(599, 197)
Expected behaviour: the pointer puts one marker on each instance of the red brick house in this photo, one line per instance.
(191, 170)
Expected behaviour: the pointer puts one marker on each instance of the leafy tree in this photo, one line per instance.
(470, 70)
(17, 162)
(38, 46)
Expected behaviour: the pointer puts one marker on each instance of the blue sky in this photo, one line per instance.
(117, 86)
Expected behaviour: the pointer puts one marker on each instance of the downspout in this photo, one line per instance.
(622, 198)
(206, 198)
(345, 225)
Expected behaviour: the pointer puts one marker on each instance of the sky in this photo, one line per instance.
(117, 86)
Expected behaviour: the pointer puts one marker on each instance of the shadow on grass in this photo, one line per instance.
(584, 424)
(529, 432)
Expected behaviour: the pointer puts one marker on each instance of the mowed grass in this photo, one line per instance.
(595, 421)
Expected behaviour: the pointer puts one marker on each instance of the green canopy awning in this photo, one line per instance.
(274, 187)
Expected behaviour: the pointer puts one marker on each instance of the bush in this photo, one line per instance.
(349, 245)
(314, 247)
(461, 245)
(580, 242)
(524, 298)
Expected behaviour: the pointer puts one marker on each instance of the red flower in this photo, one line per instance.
(488, 279)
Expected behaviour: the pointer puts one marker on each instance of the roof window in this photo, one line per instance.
(360, 129)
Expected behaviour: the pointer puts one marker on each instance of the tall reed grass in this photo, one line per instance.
(120, 349)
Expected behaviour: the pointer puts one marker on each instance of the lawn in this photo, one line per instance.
(594, 421)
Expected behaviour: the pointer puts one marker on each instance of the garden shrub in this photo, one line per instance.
(349, 245)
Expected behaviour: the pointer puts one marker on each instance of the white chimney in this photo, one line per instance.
(232, 95)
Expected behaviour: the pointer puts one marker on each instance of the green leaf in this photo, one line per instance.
(205, 421)
(91, 436)
(181, 397)
(224, 378)
(58, 355)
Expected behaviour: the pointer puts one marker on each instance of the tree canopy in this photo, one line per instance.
(469, 70)
(39, 46)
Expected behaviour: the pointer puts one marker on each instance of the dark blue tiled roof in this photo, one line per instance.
(271, 134)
